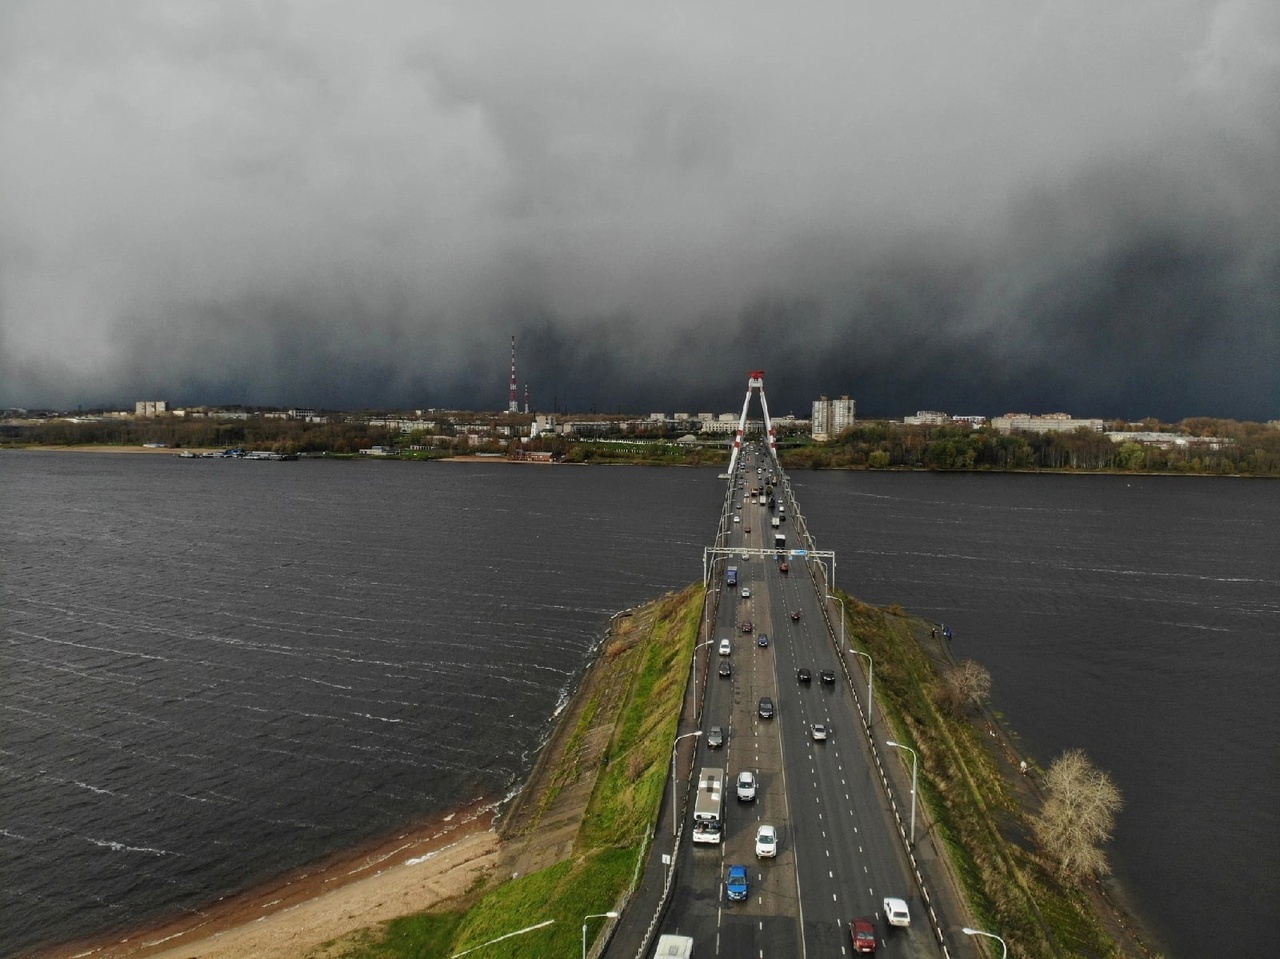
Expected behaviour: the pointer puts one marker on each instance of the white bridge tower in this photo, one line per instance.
(755, 381)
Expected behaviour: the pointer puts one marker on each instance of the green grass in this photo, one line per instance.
(619, 817)
(978, 819)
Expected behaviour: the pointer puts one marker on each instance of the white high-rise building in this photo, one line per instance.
(831, 417)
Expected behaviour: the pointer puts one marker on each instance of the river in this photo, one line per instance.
(191, 647)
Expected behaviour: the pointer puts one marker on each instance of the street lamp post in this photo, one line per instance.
(890, 742)
(841, 602)
(594, 915)
(707, 642)
(706, 611)
(674, 747)
(871, 675)
(1004, 949)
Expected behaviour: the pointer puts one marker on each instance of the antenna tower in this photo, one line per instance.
(513, 405)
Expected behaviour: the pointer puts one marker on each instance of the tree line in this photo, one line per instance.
(1244, 448)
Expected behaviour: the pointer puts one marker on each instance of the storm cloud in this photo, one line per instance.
(976, 207)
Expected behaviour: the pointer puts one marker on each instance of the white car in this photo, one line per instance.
(895, 911)
(766, 841)
(819, 732)
(737, 519)
(746, 592)
(746, 786)
(725, 647)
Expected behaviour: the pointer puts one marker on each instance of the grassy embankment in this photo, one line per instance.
(971, 799)
(645, 660)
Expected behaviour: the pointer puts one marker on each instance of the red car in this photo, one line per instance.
(747, 626)
(795, 615)
(784, 567)
(863, 934)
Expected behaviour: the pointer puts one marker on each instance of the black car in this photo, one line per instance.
(725, 668)
(765, 708)
(803, 675)
(828, 676)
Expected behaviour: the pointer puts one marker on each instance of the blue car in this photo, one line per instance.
(736, 885)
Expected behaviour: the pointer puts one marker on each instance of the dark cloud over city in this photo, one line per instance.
(979, 208)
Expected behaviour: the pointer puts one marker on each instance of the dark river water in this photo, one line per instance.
(214, 671)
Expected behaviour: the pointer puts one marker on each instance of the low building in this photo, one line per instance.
(1044, 423)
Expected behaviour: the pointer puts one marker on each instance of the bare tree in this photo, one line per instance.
(1079, 814)
(966, 684)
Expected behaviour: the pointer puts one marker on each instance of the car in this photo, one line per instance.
(746, 529)
(765, 707)
(766, 841)
(762, 640)
(725, 669)
(739, 506)
(735, 886)
(795, 615)
(737, 519)
(863, 933)
(828, 676)
(784, 567)
(748, 626)
(725, 647)
(745, 557)
(746, 785)
(819, 732)
(803, 675)
(895, 910)
(746, 592)
(715, 737)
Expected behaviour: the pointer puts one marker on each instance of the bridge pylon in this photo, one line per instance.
(755, 381)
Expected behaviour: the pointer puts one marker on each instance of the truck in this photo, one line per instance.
(674, 947)
(708, 806)
(779, 541)
(774, 522)
(731, 576)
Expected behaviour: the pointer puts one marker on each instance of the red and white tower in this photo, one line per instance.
(513, 404)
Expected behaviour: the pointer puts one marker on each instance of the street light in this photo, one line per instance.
(594, 915)
(841, 602)
(1004, 949)
(871, 675)
(674, 747)
(705, 642)
(706, 610)
(890, 742)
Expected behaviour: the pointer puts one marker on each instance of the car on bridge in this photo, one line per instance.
(828, 676)
(795, 615)
(863, 934)
(735, 886)
(818, 732)
(803, 675)
(762, 640)
(715, 737)
(748, 626)
(765, 707)
(895, 910)
(746, 785)
(726, 670)
(766, 841)
(725, 647)
(746, 592)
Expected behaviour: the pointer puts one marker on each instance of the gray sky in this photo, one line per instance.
(977, 207)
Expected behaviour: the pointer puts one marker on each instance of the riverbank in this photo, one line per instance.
(284, 918)
(331, 908)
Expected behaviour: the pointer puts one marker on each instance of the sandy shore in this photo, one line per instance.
(283, 920)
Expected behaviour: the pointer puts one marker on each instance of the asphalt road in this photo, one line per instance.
(839, 852)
